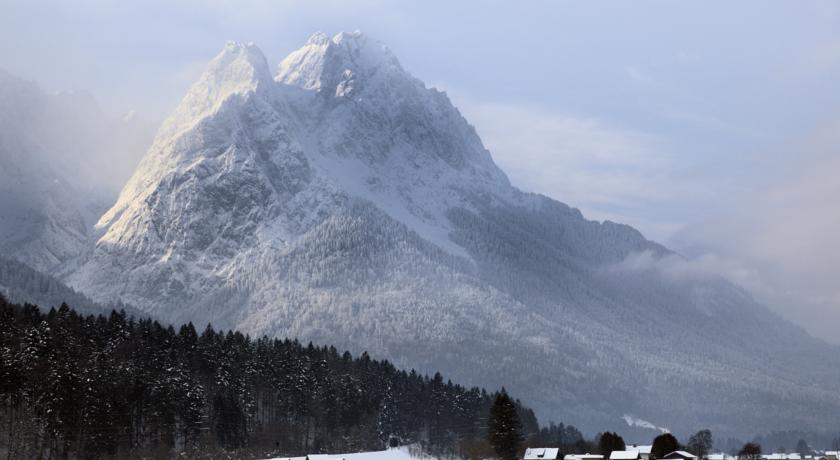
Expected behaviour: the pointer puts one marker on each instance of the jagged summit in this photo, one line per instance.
(338, 65)
(240, 68)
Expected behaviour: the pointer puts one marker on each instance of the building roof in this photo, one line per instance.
(541, 453)
(643, 449)
(582, 456)
(720, 456)
(680, 453)
(624, 455)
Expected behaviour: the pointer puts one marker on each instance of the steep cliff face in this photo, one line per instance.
(342, 201)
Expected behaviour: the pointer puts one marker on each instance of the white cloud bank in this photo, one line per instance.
(783, 241)
(607, 171)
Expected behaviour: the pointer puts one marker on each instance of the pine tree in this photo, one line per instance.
(802, 448)
(504, 430)
(609, 442)
(750, 451)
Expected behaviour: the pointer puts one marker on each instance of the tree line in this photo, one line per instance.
(118, 387)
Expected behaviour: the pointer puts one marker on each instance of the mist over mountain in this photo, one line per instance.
(340, 200)
(62, 162)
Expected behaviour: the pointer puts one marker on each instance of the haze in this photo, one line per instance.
(711, 129)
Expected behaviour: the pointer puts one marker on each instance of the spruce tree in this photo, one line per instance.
(504, 429)
(750, 451)
(609, 442)
(802, 448)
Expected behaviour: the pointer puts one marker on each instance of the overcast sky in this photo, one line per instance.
(710, 126)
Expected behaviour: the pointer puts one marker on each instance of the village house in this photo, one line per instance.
(720, 456)
(781, 456)
(680, 455)
(625, 455)
(586, 456)
(644, 450)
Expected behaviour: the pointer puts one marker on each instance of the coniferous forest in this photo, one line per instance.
(118, 387)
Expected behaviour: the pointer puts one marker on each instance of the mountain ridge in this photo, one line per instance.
(334, 200)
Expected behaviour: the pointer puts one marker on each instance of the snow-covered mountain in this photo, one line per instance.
(342, 201)
(60, 161)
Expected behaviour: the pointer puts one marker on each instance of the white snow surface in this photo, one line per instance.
(397, 453)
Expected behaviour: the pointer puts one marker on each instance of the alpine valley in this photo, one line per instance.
(339, 200)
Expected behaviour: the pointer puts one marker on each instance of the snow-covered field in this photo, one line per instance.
(398, 453)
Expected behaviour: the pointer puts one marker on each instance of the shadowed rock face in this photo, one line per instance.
(342, 201)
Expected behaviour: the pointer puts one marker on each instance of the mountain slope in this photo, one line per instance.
(341, 200)
(61, 160)
(22, 284)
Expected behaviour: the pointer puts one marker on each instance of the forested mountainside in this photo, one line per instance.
(92, 386)
(20, 284)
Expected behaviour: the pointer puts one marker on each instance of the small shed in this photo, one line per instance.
(680, 455)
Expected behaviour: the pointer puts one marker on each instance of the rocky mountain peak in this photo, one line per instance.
(239, 69)
(337, 66)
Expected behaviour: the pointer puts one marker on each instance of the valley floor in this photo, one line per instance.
(397, 453)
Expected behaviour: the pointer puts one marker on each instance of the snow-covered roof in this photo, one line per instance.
(541, 453)
(681, 453)
(624, 455)
(720, 456)
(643, 449)
(781, 456)
(583, 457)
